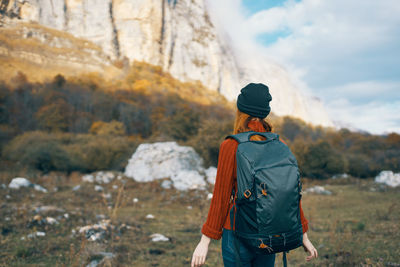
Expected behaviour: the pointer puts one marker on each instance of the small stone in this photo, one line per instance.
(159, 237)
(76, 187)
(318, 190)
(51, 220)
(107, 196)
(88, 178)
(98, 188)
(166, 184)
(150, 216)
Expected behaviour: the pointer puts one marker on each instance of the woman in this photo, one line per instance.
(252, 108)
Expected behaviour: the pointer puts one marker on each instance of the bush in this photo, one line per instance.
(69, 152)
(91, 152)
(209, 138)
(320, 161)
(114, 127)
(38, 150)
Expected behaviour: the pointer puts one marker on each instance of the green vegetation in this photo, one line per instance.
(87, 123)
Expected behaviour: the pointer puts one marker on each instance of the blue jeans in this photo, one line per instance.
(248, 258)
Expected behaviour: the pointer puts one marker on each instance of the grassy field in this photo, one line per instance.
(358, 225)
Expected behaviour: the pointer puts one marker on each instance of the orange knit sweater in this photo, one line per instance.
(226, 178)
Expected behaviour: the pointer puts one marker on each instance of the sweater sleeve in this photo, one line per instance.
(219, 207)
(304, 221)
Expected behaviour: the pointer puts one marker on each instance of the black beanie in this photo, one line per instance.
(254, 100)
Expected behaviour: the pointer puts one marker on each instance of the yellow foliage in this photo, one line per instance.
(141, 85)
(108, 128)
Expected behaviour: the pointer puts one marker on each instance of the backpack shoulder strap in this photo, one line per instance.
(245, 136)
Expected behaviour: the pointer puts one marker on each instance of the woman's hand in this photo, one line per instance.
(308, 247)
(200, 253)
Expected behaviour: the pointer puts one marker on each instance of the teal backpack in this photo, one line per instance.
(266, 213)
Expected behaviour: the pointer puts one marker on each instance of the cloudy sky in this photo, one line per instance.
(347, 52)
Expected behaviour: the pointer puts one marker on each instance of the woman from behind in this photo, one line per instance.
(252, 109)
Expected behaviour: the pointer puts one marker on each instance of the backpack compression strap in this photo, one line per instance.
(245, 136)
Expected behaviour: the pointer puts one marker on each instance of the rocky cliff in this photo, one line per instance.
(175, 34)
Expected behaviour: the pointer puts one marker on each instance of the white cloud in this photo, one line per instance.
(375, 117)
(346, 52)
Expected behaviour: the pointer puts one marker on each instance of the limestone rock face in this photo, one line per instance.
(167, 160)
(177, 35)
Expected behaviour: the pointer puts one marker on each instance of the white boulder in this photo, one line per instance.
(211, 174)
(19, 182)
(167, 160)
(389, 178)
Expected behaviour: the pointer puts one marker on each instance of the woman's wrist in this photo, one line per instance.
(205, 239)
(305, 236)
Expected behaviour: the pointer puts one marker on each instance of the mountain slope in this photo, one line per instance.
(177, 35)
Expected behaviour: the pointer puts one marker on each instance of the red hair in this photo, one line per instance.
(241, 125)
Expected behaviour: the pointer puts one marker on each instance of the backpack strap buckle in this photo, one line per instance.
(247, 193)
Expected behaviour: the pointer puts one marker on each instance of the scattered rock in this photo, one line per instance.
(98, 188)
(115, 186)
(48, 209)
(189, 207)
(40, 221)
(135, 200)
(104, 255)
(158, 237)
(39, 188)
(35, 234)
(211, 174)
(96, 232)
(18, 182)
(150, 216)
(341, 176)
(167, 160)
(88, 178)
(388, 178)
(318, 190)
(51, 220)
(166, 184)
(76, 187)
(107, 196)
(101, 177)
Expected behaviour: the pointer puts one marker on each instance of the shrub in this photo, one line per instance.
(69, 152)
(320, 161)
(209, 138)
(114, 127)
(38, 150)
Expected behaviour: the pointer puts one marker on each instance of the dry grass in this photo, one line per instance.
(352, 227)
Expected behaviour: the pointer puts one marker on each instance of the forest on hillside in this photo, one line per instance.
(87, 124)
